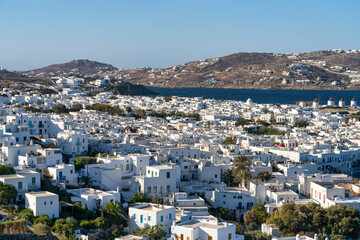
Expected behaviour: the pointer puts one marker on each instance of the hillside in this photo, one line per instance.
(334, 69)
(18, 81)
(314, 70)
(77, 66)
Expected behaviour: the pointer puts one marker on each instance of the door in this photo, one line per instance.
(141, 219)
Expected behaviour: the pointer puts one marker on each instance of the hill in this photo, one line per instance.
(77, 66)
(314, 70)
(18, 81)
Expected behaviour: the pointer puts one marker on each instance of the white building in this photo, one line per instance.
(72, 142)
(237, 199)
(18, 181)
(204, 230)
(93, 198)
(64, 173)
(158, 180)
(148, 214)
(43, 203)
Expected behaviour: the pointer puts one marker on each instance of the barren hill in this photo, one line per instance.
(314, 70)
(77, 66)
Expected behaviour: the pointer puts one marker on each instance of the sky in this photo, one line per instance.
(161, 33)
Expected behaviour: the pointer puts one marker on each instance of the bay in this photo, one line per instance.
(274, 96)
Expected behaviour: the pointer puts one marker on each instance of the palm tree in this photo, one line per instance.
(87, 181)
(265, 176)
(243, 177)
(228, 178)
(240, 163)
(113, 208)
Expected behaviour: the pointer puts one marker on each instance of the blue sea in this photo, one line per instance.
(275, 96)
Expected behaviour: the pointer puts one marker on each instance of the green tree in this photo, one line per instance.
(343, 220)
(50, 145)
(265, 176)
(228, 178)
(80, 162)
(243, 177)
(65, 227)
(242, 122)
(229, 141)
(43, 219)
(139, 197)
(8, 193)
(223, 213)
(255, 217)
(6, 170)
(27, 214)
(102, 222)
(76, 107)
(87, 224)
(86, 181)
(301, 124)
(59, 109)
(240, 163)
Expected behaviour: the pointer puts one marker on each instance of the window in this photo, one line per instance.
(185, 167)
(168, 175)
(170, 216)
(229, 236)
(168, 188)
(20, 186)
(50, 202)
(33, 180)
(149, 218)
(149, 189)
(155, 189)
(148, 171)
(162, 218)
(215, 175)
(134, 216)
(45, 203)
(71, 171)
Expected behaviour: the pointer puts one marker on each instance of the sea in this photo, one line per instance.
(272, 96)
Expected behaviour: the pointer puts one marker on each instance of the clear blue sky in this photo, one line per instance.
(36, 33)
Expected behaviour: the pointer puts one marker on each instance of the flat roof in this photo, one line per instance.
(197, 223)
(12, 176)
(42, 194)
(152, 207)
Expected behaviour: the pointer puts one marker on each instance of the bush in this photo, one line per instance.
(139, 197)
(8, 193)
(80, 162)
(43, 219)
(229, 141)
(41, 229)
(65, 227)
(50, 145)
(103, 223)
(301, 124)
(88, 224)
(27, 214)
(6, 170)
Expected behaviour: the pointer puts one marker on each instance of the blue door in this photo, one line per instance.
(141, 219)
